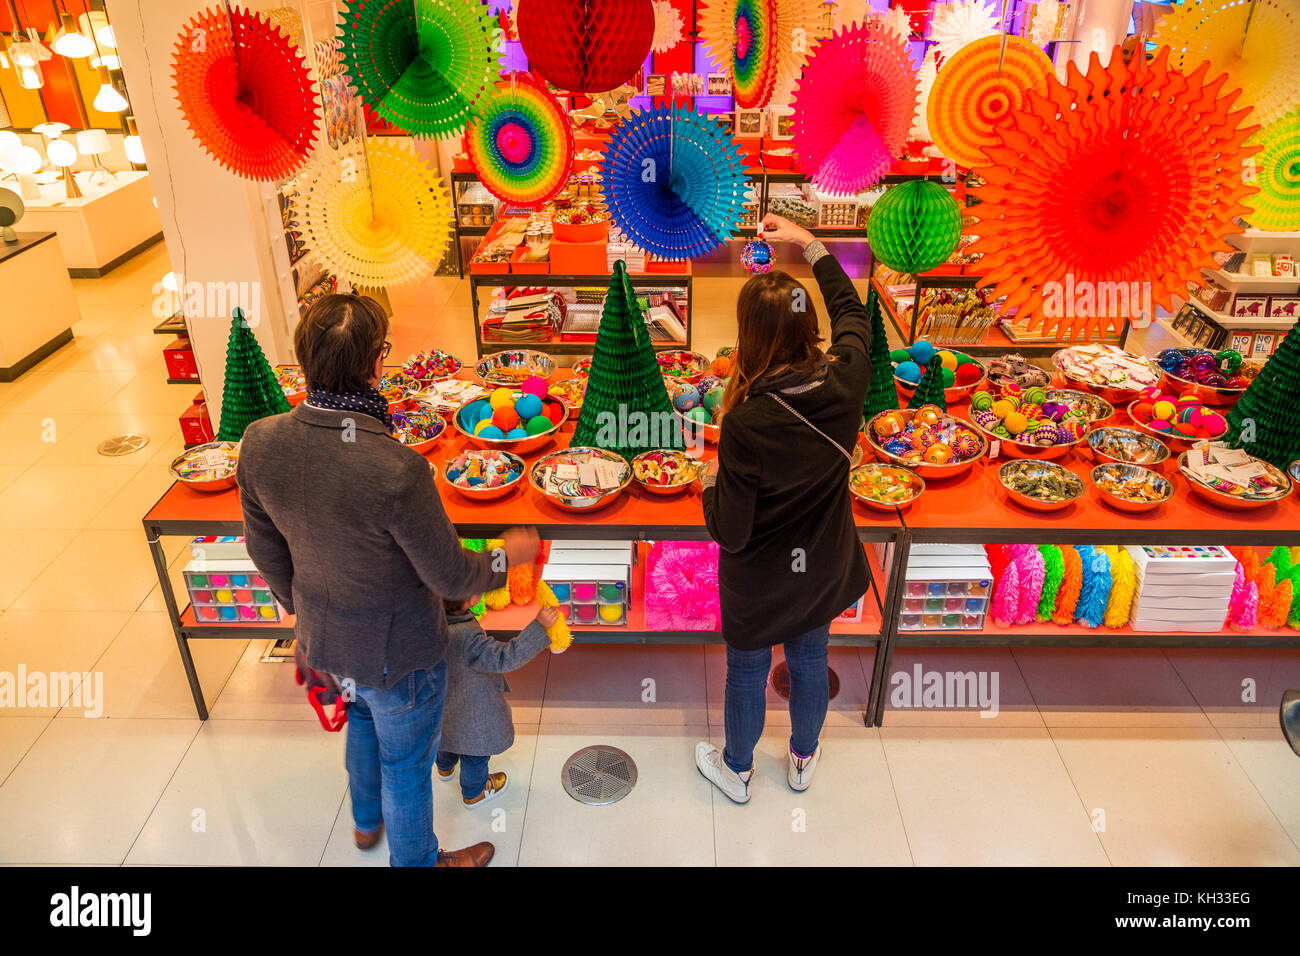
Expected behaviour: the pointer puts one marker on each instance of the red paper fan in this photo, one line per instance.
(854, 106)
(1116, 184)
(246, 94)
(586, 46)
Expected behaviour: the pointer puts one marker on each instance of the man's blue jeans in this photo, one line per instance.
(392, 738)
(745, 707)
(473, 771)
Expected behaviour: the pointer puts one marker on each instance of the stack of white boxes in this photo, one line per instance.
(592, 581)
(1181, 588)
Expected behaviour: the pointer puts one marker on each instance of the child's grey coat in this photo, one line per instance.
(476, 715)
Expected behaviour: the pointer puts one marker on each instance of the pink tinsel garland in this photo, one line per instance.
(1006, 598)
(681, 587)
(1249, 615)
(1029, 561)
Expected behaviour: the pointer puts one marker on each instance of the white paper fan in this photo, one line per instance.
(960, 22)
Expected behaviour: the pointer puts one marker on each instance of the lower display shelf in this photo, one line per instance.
(193, 627)
(1076, 635)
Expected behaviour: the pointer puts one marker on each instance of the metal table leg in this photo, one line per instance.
(173, 613)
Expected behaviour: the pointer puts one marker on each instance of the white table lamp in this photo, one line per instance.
(94, 143)
(63, 154)
(22, 162)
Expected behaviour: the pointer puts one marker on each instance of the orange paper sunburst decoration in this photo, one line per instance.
(1121, 180)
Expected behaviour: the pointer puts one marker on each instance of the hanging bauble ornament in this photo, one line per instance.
(914, 226)
(520, 142)
(1118, 183)
(1277, 204)
(757, 257)
(422, 66)
(1256, 43)
(853, 107)
(586, 46)
(976, 89)
(374, 216)
(246, 93)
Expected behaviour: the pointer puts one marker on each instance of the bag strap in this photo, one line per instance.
(789, 408)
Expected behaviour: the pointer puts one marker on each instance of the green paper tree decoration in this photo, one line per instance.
(626, 408)
(251, 390)
(1263, 422)
(914, 226)
(929, 391)
(881, 393)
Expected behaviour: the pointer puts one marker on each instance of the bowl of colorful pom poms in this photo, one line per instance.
(430, 367)
(293, 382)
(927, 440)
(962, 375)
(484, 475)
(699, 406)
(1180, 422)
(518, 420)
(417, 426)
(681, 366)
(1030, 425)
(1215, 378)
(396, 387)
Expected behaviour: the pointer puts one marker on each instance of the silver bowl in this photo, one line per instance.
(1124, 472)
(1127, 446)
(1098, 409)
(917, 482)
(409, 384)
(511, 367)
(230, 449)
(1029, 467)
(579, 503)
(1237, 502)
(692, 470)
(927, 470)
(486, 494)
(690, 428)
(700, 362)
(520, 446)
(1217, 396)
(1111, 393)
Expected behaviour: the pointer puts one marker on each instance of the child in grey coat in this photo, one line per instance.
(476, 721)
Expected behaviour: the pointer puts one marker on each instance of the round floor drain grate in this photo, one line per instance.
(599, 775)
(781, 681)
(120, 445)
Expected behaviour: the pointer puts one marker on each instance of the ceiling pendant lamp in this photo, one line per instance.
(132, 144)
(108, 99)
(68, 42)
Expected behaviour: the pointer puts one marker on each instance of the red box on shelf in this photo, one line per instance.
(527, 268)
(180, 359)
(196, 427)
(578, 258)
(667, 266)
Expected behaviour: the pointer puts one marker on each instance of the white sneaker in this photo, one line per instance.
(708, 759)
(799, 772)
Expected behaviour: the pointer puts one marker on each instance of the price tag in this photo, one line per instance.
(995, 447)
(587, 475)
(608, 474)
(213, 459)
(567, 472)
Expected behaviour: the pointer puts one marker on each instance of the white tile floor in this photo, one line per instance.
(1096, 757)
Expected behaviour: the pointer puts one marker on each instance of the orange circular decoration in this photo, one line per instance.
(971, 96)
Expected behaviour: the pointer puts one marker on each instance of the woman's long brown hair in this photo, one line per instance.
(776, 333)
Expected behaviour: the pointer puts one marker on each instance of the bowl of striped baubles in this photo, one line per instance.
(1030, 425)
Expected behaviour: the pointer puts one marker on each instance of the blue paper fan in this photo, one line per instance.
(674, 181)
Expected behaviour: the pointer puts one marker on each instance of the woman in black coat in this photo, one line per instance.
(777, 502)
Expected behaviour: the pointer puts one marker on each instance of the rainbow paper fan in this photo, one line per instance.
(960, 22)
(1262, 60)
(1277, 204)
(854, 106)
(1115, 186)
(520, 142)
(586, 46)
(753, 60)
(971, 97)
(245, 93)
(421, 64)
(675, 182)
(375, 215)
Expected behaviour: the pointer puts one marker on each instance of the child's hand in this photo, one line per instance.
(548, 616)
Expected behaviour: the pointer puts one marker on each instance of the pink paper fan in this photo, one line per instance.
(854, 106)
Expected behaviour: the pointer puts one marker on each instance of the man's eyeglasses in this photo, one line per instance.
(387, 347)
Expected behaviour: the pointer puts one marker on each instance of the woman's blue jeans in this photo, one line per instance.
(746, 698)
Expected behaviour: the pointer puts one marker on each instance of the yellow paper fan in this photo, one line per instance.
(1263, 60)
(374, 217)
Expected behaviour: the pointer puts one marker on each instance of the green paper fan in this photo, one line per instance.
(1277, 204)
(421, 65)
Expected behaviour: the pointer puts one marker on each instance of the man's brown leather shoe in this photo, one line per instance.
(367, 841)
(480, 854)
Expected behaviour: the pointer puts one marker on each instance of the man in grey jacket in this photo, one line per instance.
(346, 525)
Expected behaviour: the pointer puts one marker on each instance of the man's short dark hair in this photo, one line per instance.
(338, 342)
